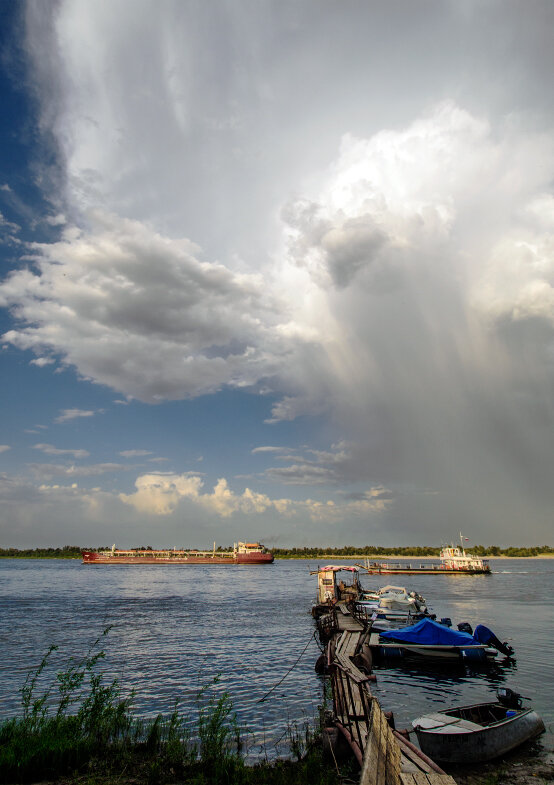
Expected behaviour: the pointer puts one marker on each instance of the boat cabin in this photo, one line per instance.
(454, 558)
(331, 587)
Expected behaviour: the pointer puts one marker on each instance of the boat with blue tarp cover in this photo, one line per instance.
(430, 640)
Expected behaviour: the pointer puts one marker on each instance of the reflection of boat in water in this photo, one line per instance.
(243, 553)
(428, 640)
(479, 732)
(453, 560)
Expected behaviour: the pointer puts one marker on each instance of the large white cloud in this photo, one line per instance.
(141, 313)
(161, 494)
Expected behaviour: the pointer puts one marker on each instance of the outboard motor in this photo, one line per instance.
(482, 634)
(446, 621)
(463, 626)
(509, 698)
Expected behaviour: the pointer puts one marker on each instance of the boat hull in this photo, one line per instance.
(382, 569)
(414, 652)
(482, 743)
(143, 557)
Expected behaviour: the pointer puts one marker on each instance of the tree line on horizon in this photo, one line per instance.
(74, 552)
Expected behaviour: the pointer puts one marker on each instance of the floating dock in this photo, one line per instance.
(385, 756)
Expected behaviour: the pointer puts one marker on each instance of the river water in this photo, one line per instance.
(176, 628)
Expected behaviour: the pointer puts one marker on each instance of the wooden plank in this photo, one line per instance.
(370, 765)
(440, 779)
(341, 642)
(407, 779)
(421, 778)
(348, 623)
(351, 644)
(382, 743)
(393, 759)
(414, 757)
(407, 767)
(379, 727)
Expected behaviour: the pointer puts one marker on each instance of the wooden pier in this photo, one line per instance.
(385, 756)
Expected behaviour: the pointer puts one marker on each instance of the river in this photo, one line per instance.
(175, 628)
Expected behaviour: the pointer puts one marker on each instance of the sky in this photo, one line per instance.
(276, 270)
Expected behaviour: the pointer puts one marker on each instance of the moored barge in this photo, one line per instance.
(452, 561)
(241, 553)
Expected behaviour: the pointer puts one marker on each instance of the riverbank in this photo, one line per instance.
(519, 769)
(533, 771)
(396, 556)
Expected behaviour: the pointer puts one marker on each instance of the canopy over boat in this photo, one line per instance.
(431, 633)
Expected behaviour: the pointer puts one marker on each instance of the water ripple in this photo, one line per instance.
(174, 630)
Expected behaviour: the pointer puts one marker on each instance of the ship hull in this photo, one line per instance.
(91, 557)
(383, 570)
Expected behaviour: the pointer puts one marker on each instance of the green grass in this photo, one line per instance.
(81, 729)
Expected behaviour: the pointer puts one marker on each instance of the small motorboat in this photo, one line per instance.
(394, 598)
(393, 603)
(480, 732)
(429, 640)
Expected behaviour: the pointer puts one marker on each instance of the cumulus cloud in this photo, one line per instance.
(160, 494)
(140, 312)
(4, 447)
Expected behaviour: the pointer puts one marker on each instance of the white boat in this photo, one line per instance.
(394, 598)
(457, 560)
(479, 732)
(453, 561)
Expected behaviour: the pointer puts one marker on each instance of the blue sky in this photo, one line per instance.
(276, 271)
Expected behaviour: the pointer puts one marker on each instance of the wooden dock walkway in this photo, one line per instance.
(386, 757)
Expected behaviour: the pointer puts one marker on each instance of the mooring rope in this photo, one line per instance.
(289, 670)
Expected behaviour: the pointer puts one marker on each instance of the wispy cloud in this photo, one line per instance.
(134, 453)
(49, 470)
(42, 362)
(73, 414)
(4, 447)
(49, 449)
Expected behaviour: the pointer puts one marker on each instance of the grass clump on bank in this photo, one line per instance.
(82, 729)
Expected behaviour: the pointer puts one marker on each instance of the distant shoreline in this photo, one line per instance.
(327, 556)
(394, 556)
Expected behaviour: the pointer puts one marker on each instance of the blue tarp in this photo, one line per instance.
(430, 632)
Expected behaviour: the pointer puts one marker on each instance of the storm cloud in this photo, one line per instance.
(350, 212)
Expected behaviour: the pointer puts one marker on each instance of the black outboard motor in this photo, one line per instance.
(509, 698)
(463, 626)
(486, 636)
(447, 621)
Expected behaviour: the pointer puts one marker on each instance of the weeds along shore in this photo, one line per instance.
(81, 729)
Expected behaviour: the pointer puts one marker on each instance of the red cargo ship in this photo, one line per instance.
(243, 553)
